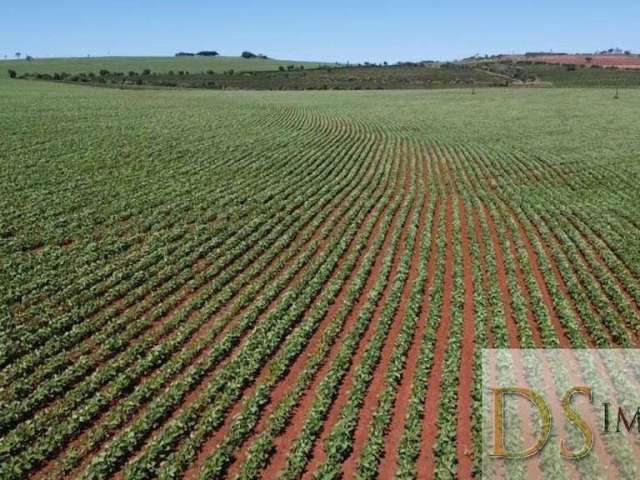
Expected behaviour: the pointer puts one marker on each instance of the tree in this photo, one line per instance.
(18, 55)
(28, 58)
(247, 54)
(208, 53)
(12, 73)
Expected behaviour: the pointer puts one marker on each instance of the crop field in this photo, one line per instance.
(219, 284)
(195, 64)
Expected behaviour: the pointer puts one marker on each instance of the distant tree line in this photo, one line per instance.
(247, 54)
(213, 53)
(203, 53)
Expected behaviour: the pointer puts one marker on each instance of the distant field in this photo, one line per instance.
(155, 64)
(620, 61)
(211, 284)
(567, 76)
(256, 74)
(298, 78)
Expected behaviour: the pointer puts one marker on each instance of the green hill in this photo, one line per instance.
(155, 64)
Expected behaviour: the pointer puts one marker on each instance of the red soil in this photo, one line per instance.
(512, 328)
(633, 336)
(195, 394)
(296, 369)
(522, 285)
(563, 289)
(533, 467)
(620, 61)
(396, 427)
(485, 273)
(426, 460)
(467, 358)
(79, 441)
(595, 251)
(286, 438)
(377, 384)
(318, 455)
(542, 285)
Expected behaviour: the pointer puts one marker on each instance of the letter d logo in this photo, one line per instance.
(537, 401)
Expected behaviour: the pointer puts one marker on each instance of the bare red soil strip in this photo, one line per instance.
(396, 427)
(284, 441)
(467, 358)
(377, 384)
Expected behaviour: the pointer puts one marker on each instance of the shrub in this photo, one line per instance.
(12, 73)
(132, 73)
(185, 54)
(208, 53)
(247, 54)
(210, 72)
(281, 68)
(146, 71)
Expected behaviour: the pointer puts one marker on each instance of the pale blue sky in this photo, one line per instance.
(329, 30)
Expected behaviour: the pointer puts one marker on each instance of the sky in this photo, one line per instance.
(327, 30)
